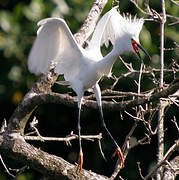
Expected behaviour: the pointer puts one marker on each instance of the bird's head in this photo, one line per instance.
(133, 28)
(128, 36)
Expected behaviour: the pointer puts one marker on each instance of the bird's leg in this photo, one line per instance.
(80, 158)
(118, 151)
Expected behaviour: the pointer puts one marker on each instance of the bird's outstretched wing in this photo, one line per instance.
(114, 28)
(54, 42)
(106, 29)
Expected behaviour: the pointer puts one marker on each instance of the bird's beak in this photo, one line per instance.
(136, 47)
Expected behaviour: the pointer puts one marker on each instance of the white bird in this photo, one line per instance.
(83, 68)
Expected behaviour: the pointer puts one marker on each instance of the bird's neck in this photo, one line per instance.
(107, 62)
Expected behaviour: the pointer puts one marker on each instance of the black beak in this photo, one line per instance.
(138, 53)
(139, 46)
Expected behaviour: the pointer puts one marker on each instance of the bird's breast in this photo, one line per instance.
(90, 76)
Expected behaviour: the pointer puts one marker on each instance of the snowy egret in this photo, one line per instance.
(83, 68)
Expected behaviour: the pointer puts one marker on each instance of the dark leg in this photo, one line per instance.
(118, 149)
(80, 158)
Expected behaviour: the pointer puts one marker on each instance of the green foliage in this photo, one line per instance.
(18, 29)
(25, 176)
(18, 26)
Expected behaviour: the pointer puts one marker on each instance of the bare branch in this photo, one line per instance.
(13, 146)
(140, 76)
(175, 2)
(171, 169)
(137, 6)
(161, 84)
(100, 148)
(67, 100)
(32, 125)
(3, 126)
(7, 170)
(150, 12)
(66, 139)
(166, 157)
(175, 122)
(140, 171)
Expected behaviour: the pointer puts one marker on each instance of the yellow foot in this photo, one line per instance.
(80, 161)
(118, 152)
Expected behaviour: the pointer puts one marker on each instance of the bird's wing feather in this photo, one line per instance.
(106, 29)
(95, 41)
(54, 42)
(114, 27)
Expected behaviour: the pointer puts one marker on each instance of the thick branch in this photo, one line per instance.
(165, 158)
(19, 119)
(70, 101)
(171, 169)
(14, 147)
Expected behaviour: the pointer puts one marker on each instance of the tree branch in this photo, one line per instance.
(38, 99)
(13, 146)
(166, 157)
(161, 84)
(171, 169)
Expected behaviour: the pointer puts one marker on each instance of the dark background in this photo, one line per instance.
(18, 27)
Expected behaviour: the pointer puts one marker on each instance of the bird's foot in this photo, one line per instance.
(80, 161)
(119, 153)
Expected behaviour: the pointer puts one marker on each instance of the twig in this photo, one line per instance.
(171, 49)
(140, 76)
(126, 145)
(6, 167)
(140, 171)
(136, 118)
(175, 2)
(121, 178)
(3, 126)
(174, 101)
(162, 106)
(128, 66)
(114, 94)
(143, 141)
(137, 6)
(66, 139)
(100, 148)
(171, 24)
(150, 12)
(132, 70)
(33, 124)
(166, 157)
(20, 170)
(125, 148)
(175, 122)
